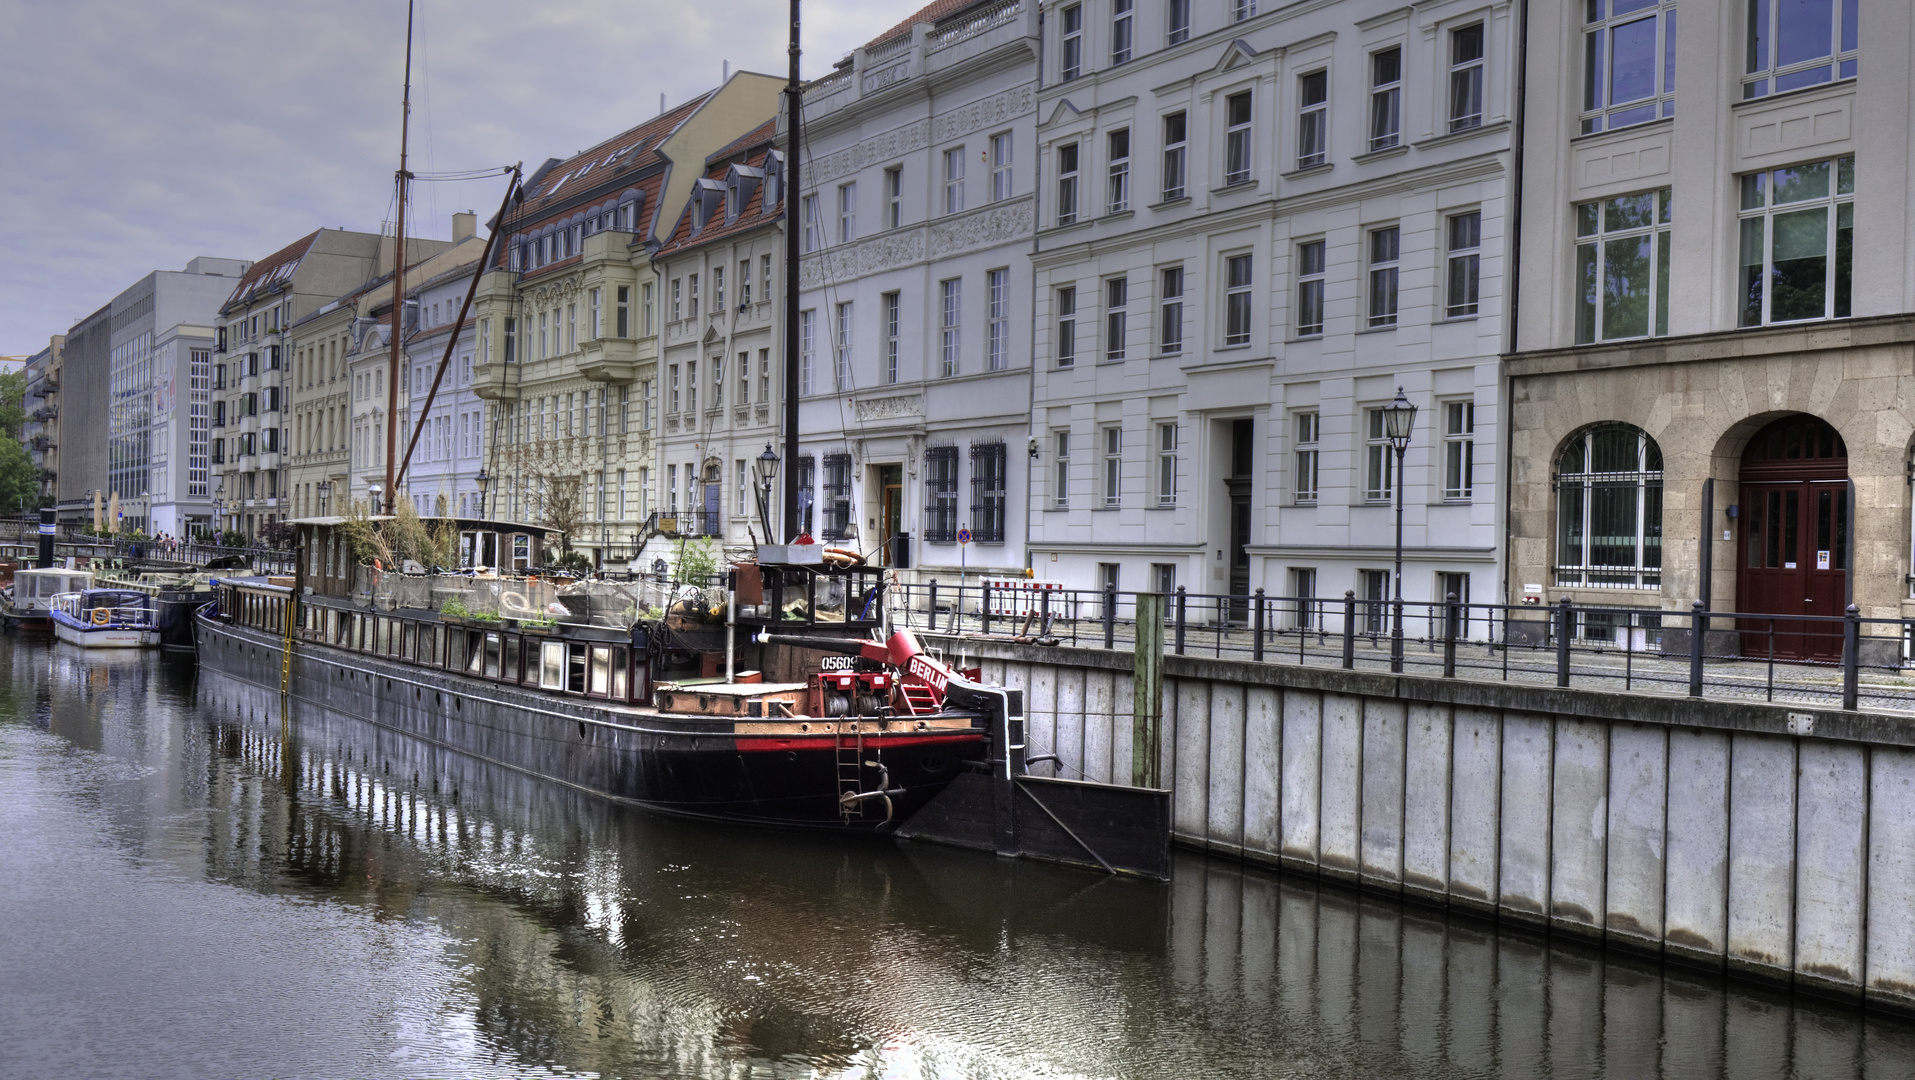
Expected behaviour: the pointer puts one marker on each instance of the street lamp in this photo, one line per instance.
(1399, 419)
(767, 469)
(325, 497)
(484, 481)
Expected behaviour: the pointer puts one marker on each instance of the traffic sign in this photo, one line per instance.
(964, 535)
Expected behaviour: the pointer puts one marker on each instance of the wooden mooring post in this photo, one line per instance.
(1147, 684)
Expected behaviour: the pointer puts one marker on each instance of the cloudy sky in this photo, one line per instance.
(136, 134)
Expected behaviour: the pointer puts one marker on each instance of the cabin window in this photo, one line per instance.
(409, 647)
(475, 652)
(510, 669)
(552, 666)
(620, 673)
(428, 640)
(575, 669)
(382, 640)
(601, 671)
(493, 648)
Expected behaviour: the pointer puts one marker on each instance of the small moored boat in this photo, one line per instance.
(30, 604)
(106, 619)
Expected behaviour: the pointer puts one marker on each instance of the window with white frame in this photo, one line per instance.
(893, 197)
(691, 306)
(764, 275)
(1242, 9)
(1116, 318)
(1629, 63)
(1066, 326)
(1177, 22)
(764, 375)
(847, 215)
(1236, 139)
(1061, 469)
(1385, 250)
(837, 496)
(1798, 243)
(1313, 118)
(673, 399)
(807, 352)
(1176, 143)
(1797, 43)
(1071, 59)
(717, 289)
(645, 305)
(1459, 450)
(1308, 450)
(1310, 262)
(950, 329)
(1609, 508)
(814, 228)
(1113, 467)
(1465, 263)
(1167, 464)
(1622, 267)
(1237, 300)
(954, 180)
(1466, 77)
(1067, 184)
(891, 304)
(1305, 613)
(597, 320)
(744, 284)
(842, 366)
(1379, 458)
(1001, 175)
(941, 494)
(1170, 310)
(1117, 188)
(998, 290)
(1386, 98)
(738, 485)
(1120, 31)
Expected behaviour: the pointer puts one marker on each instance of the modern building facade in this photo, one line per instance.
(83, 404)
(919, 201)
(1710, 391)
(1256, 226)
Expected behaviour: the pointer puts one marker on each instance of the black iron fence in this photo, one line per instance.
(1845, 661)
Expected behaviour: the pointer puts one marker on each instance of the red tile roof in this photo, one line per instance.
(750, 151)
(590, 169)
(930, 13)
(271, 270)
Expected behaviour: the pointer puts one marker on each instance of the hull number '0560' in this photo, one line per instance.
(838, 663)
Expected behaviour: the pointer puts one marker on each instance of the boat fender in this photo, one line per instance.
(101, 616)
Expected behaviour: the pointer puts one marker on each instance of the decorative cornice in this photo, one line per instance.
(995, 224)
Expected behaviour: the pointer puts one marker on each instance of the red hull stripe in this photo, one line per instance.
(871, 742)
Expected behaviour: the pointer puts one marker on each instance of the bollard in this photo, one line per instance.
(1349, 628)
(1181, 597)
(1449, 637)
(1256, 634)
(984, 608)
(1147, 693)
(1044, 613)
(1851, 660)
(1696, 634)
(931, 613)
(1565, 625)
(1110, 615)
(1396, 634)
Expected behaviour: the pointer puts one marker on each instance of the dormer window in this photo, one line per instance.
(734, 205)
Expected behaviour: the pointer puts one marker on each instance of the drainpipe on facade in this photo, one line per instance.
(1037, 219)
(1508, 439)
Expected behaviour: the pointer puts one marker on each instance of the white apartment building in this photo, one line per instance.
(1255, 224)
(442, 479)
(919, 201)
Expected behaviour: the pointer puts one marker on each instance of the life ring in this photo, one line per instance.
(101, 616)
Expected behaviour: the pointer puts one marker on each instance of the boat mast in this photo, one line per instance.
(792, 224)
(399, 272)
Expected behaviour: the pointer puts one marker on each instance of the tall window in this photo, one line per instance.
(764, 375)
(1118, 186)
(764, 275)
(1116, 318)
(1001, 166)
(1459, 450)
(597, 323)
(837, 495)
(622, 312)
(954, 180)
(1797, 43)
(1170, 312)
(691, 305)
(891, 337)
(1629, 62)
(893, 198)
(1236, 304)
(1113, 467)
(744, 283)
(847, 215)
(1120, 29)
(1236, 139)
(1066, 326)
(1167, 464)
(1798, 243)
(807, 488)
(1379, 473)
(1303, 589)
(807, 353)
(988, 492)
(718, 288)
(999, 289)
(1176, 142)
(1313, 118)
(644, 304)
(814, 228)
(1071, 60)
(1067, 183)
(1061, 470)
(1609, 509)
(1309, 431)
(1466, 77)
(941, 494)
(1386, 98)
(1178, 23)
(1622, 267)
(1384, 252)
(842, 367)
(1465, 262)
(951, 327)
(1310, 288)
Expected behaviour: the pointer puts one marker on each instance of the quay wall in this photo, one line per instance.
(1776, 842)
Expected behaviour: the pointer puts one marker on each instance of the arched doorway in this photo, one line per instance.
(1793, 549)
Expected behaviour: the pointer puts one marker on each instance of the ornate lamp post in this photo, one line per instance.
(767, 469)
(1399, 419)
(325, 497)
(484, 481)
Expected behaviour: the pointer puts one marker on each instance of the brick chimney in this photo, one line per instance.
(464, 226)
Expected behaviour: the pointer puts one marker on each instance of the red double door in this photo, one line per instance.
(1794, 563)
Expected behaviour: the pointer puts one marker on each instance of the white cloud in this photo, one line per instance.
(138, 135)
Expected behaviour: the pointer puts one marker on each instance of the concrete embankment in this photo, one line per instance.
(1777, 842)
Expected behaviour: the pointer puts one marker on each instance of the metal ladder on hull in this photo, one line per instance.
(849, 770)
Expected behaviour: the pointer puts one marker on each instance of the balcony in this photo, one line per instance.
(40, 442)
(490, 381)
(608, 360)
(45, 412)
(46, 388)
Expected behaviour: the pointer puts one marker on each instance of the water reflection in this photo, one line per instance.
(380, 906)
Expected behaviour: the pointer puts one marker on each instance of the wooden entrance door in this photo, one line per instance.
(890, 510)
(1793, 550)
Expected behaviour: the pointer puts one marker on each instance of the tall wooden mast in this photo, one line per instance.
(399, 274)
(793, 222)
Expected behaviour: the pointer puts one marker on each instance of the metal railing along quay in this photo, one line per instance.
(1845, 661)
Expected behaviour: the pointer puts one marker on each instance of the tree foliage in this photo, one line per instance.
(19, 477)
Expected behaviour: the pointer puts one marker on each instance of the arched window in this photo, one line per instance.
(1609, 509)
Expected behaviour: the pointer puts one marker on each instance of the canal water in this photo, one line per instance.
(193, 885)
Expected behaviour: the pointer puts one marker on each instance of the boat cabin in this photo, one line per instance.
(34, 590)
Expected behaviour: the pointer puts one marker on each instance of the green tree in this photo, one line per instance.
(13, 413)
(19, 480)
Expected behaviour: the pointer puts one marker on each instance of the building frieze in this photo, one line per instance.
(899, 141)
(995, 224)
